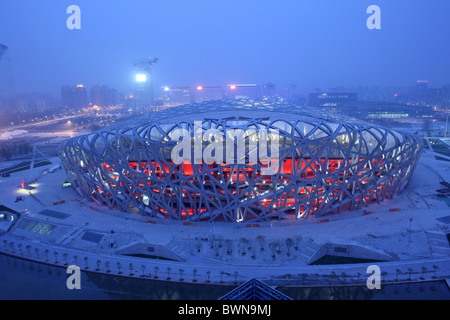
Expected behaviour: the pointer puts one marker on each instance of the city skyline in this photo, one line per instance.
(316, 45)
(80, 96)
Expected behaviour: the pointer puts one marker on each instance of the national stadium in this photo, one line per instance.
(240, 161)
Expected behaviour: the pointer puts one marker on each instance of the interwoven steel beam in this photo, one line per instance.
(326, 163)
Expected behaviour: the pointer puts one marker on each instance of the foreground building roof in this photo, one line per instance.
(255, 290)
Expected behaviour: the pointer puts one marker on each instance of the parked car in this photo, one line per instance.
(66, 183)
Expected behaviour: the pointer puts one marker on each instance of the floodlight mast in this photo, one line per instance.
(149, 69)
(144, 77)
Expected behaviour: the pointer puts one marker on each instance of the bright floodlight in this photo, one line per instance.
(141, 77)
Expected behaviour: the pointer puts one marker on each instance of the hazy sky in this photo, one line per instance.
(311, 43)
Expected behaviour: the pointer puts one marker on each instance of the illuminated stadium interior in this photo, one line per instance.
(325, 163)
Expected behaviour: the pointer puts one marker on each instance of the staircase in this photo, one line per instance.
(439, 244)
(175, 247)
(307, 251)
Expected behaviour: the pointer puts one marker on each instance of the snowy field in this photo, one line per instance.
(403, 231)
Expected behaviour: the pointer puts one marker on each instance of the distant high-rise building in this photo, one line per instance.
(268, 91)
(103, 96)
(67, 96)
(334, 99)
(34, 102)
(96, 95)
(176, 96)
(287, 93)
(446, 95)
(207, 93)
(421, 91)
(74, 96)
(80, 96)
(434, 96)
(106, 96)
(242, 91)
(114, 96)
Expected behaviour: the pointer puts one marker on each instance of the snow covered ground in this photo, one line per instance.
(404, 230)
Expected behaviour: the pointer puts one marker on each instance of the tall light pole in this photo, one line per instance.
(144, 80)
(151, 61)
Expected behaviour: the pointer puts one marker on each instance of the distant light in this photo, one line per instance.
(141, 77)
(80, 86)
(166, 88)
(232, 87)
(199, 88)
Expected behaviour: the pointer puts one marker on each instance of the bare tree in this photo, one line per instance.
(181, 274)
(410, 271)
(130, 266)
(261, 241)
(228, 246)
(436, 268)
(195, 275)
(289, 244)
(297, 240)
(398, 272)
(273, 249)
(424, 270)
(243, 242)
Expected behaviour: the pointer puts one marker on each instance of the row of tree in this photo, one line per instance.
(303, 278)
(10, 150)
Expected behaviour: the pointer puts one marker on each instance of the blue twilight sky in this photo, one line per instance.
(310, 43)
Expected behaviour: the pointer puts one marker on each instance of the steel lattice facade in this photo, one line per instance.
(326, 164)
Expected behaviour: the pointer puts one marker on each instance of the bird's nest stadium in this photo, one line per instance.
(240, 160)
